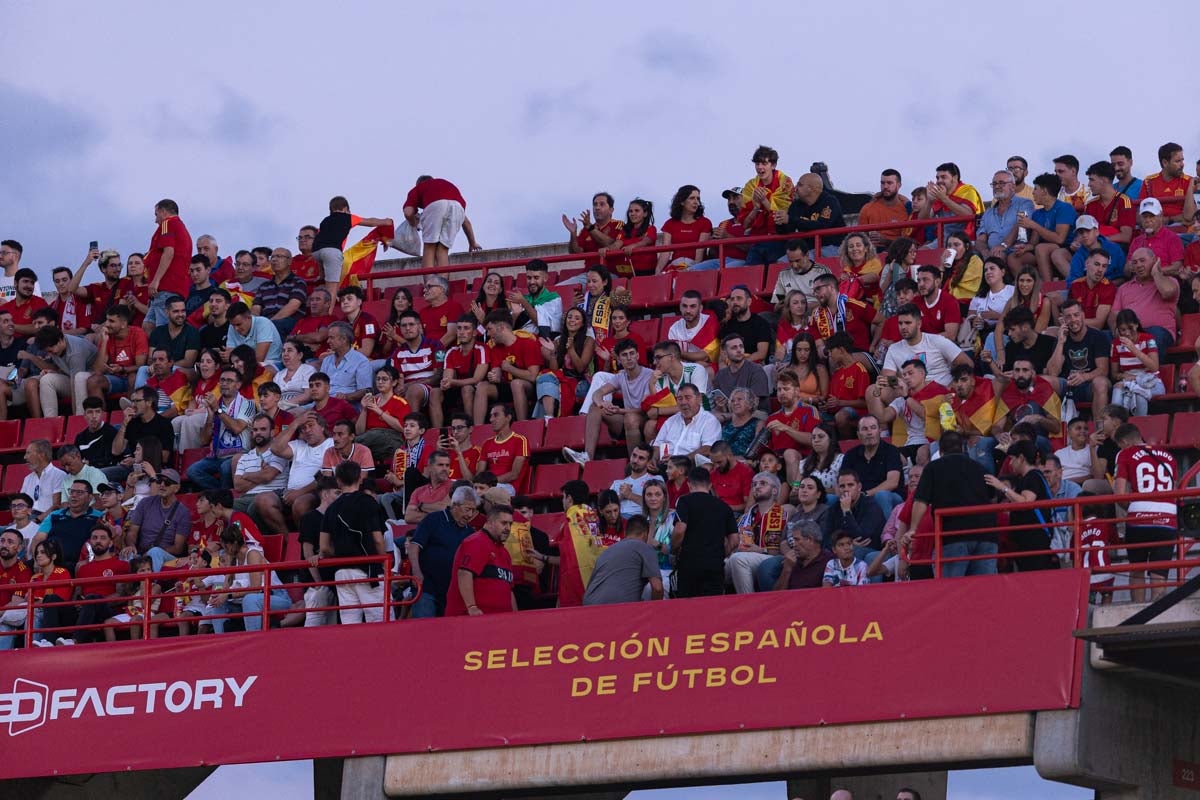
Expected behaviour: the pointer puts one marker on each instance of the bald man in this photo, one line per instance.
(813, 208)
(1152, 294)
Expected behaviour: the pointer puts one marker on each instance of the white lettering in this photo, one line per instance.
(110, 705)
(178, 687)
(239, 692)
(61, 700)
(90, 696)
(209, 690)
(151, 689)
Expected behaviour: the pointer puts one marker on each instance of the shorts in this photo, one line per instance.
(1146, 534)
(156, 313)
(330, 260)
(119, 384)
(441, 221)
(424, 392)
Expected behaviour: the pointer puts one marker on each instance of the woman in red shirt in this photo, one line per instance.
(793, 319)
(618, 331)
(245, 361)
(686, 225)
(52, 610)
(639, 233)
(380, 424)
(133, 291)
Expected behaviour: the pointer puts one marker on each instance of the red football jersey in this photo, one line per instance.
(492, 567)
(500, 456)
(1149, 469)
(170, 233)
(802, 418)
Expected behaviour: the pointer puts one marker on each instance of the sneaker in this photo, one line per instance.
(63, 641)
(42, 643)
(577, 456)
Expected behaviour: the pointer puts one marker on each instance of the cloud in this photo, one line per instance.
(228, 119)
(677, 53)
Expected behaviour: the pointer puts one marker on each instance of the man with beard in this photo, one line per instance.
(1081, 357)
(1028, 397)
(761, 530)
(973, 401)
(483, 574)
(104, 564)
(836, 312)
(12, 602)
(757, 336)
(998, 225)
(888, 205)
(257, 470)
(731, 228)
(801, 276)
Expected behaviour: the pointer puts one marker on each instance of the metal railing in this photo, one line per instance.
(146, 594)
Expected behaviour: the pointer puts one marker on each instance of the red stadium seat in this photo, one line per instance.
(667, 321)
(10, 434)
(1185, 430)
(377, 309)
(533, 430)
(600, 475)
(1054, 286)
(50, 429)
(704, 282)
(548, 479)
(647, 330)
(650, 291)
(567, 293)
(929, 257)
(272, 545)
(14, 476)
(1166, 374)
(189, 457)
(458, 286)
(564, 432)
(773, 271)
(481, 433)
(1153, 427)
(75, 426)
(752, 277)
(1189, 333)
(832, 263)
(189, 502)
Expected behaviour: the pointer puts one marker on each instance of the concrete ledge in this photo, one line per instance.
(1113, 615)
(1000, 739)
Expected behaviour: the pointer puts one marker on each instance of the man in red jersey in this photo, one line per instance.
(602, 234)
(74, 313)
(440, 314)
(514, 361)
(167, 260)
(506, 455)
(1112, 209)
(940, 313)
(791, 426)
(466, 364)
(12, 602)
(444, 214)
(1171, 185)
(366, 328)
(104, 564)
(483, 570)
(304, 265)
(100, 295)
(313, 327)
(1146, 469)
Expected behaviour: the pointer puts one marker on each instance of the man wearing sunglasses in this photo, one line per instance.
(160, 525)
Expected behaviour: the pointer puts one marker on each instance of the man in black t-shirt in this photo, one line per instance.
(310, 548)
(1080, 357)
(704, 536)
(1031, 485)
(216, 328)
(1025, 342)
(95, 441)
(352, 527)
(1111, 418)
(757, 336)
(955, 480)
(141, 420)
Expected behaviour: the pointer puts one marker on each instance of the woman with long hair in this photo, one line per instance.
(190, 423)
(1027, 292)
(402, 301)
(656, 508)
(793, 320)
(51, 609)
(901, 257)
(965, 273)
(595, 300)
(569, 365)
(1134, 365)
(147, 463)
(811, 505)
(639, 233)
(244, 590)
(988, 304)
(490, 297)
(812, 376)
(860, 268)
(825, 461)
(687, 225)
(133, 291)
(244, 361)
(293, 378)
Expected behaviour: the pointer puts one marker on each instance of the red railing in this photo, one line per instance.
(1076, 523)
(484, 267)
(146, 595)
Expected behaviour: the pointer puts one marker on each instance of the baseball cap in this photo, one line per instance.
(1150, 206)
(1087, 222)
(106, 487)
(736, 191)
(497, 496)
(169, 475)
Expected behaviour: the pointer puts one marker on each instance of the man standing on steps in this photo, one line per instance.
(167, 261)
(633, 382)
(433, 545)
(436, 207)
(707, 533)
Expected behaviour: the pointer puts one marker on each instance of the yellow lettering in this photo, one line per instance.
(496, 659)
(715, 677)
(742, 639)
(822, 634)
(742, 675)
(768, 639)
(762, 674)
(562, 658)
(516, 659)
(542, 655)
(589, 648)
(719, 642)
(694, 644)
(843, 638)
(796, 635)
(606, 684)
(872, 632)
(658, 646)
(474, 661)
(641, 679)
(581, 687)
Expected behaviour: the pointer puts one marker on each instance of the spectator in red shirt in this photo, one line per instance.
(441, 313)
(330, 408)
(313, 329)
(121, 349)
(940, 312)
(1111, 208)
(602, 234)
(466, 364)
(507, 453)
(730, 478)
(687, 225)
(729, 229)
(514, 361)
(25, 303)
(99, 295)
(103, 563)
(444, 214)
(304, 266)
(167, 260)
(483, 575)
(366, 327)
(639, 233)
(1164, 243)
(74, 314)
(1170, 186)
(381, 422)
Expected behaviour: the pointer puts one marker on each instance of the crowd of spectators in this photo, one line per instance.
(798, 439)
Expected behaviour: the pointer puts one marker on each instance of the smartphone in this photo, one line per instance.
(445, 433)
(93, 245)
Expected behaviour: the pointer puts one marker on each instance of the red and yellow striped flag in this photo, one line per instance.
(359, 258)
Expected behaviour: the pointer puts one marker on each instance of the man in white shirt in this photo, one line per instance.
(937, 352)
(304, 443)
(629, 488)
(697, 333)
(258, 470)
(691, 432)
(44, 482)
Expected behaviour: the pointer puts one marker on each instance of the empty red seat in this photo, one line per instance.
(533, 430)
(704, 282)
(600, 475)
(1166, 374)
(565, 432)
(773, 271)
(75, 426)
(548, 479)
(647, 330)
(14, 476)
(1153, 427)
(49, 429)
(378, 309)
(10, 434)
(750, 277)
(189, 502)
(650, 291)
(481, 433)
(929, 257)
(1189, 332)
(1185, 430)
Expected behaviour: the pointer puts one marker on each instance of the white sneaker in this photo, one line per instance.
(575, 455)
(63, 641)
(42, 643)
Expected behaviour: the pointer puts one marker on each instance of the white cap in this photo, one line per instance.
(1150, 206)
(1087, 222)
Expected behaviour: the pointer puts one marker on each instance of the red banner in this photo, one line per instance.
(775, 660)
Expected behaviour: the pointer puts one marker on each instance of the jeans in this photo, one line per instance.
(253, 604)
(212, 473)
(968, 547)
(765, 253)
(887, 501)
(981, 454)
(715, 263)
(425, 607)
(158, 557)
(156, 313)
(285, 325)
(767, 572)
(1162, 337)
(11, 631)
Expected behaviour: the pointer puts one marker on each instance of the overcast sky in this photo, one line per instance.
(252, 114)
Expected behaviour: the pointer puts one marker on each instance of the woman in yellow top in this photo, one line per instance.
(965, 271)
(859, 261)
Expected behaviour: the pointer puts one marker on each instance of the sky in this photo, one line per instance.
(252, 115)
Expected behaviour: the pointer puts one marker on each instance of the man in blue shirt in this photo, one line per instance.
(1050, 226)
(348, 369)
(998, 225)
(1125, 183)
(433, 545)
(1087, 237)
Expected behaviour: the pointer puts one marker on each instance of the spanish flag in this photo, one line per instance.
(930, 398)
(661, 398)
(519, 544)
(706, 336)
(1041, 399)
(579, 546)
(359, 258)
(977, 413)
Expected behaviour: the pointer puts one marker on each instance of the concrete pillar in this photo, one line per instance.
(362, 778)
(931, 785)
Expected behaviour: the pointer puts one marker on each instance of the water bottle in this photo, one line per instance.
(946, 417)
(1022, 234)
